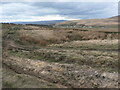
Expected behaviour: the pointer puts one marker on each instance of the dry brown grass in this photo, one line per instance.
(107, 30)
(45, 37)
(40, 37)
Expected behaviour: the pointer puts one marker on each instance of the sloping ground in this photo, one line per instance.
(62, 74)
(93, 22)
(104, 45)
(80, 59)
(62, 65)
(12, 79)
(46, 37)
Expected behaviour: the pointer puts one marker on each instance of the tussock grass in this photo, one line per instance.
(66, 46)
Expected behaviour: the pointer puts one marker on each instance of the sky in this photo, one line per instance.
(43, 11)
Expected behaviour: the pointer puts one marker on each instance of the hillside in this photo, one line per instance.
(36, 56)
(109, 22)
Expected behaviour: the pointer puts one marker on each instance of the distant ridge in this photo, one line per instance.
(92, 22)
(41, 22)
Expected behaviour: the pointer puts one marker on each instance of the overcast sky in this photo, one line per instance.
(40, 11)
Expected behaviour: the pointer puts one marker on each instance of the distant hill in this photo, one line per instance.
(113, 21)
(41, 22)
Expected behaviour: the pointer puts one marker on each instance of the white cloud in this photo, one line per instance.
(55, 11)
(36, 18)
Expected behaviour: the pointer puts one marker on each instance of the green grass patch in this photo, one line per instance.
(106, 62)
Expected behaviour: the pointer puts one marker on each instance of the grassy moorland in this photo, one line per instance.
(46, 57)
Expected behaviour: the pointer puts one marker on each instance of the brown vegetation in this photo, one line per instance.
(68, 56)
(94, 22)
